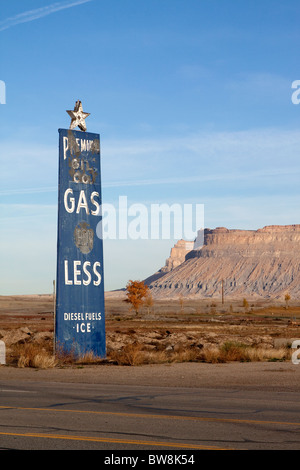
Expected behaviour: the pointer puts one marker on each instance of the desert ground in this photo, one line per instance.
(172, 331)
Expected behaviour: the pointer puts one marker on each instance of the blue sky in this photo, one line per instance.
(192, 100)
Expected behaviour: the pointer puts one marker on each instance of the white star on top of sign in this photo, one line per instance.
(78, 117)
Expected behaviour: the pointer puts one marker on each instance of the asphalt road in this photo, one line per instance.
(71, 415)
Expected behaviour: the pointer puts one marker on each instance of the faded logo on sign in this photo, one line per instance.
(84, 237)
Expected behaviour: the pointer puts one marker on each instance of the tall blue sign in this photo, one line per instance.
(80, 315)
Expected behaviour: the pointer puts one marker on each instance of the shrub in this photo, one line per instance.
(234, 351)
(32, 355)
(129, 355)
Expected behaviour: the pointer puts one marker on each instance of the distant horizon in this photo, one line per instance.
(123, 288)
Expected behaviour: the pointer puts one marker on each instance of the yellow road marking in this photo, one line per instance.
(114, 441)
(155, 416)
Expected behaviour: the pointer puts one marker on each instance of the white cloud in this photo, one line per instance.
(37, 13)
(15, 192)
(213, 156)
(217, 157)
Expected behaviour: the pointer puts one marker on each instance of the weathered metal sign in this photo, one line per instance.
(80, 316)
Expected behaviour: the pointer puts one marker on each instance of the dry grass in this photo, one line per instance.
(36, 356)
(239, 352)
(134, 355)
(279, 354)
(32, 355)
(129, 355)
(71, 358)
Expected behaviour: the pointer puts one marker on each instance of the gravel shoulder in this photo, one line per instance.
(251, 376)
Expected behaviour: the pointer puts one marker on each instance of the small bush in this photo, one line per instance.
(32, 355)
(245, 304)
(129, 355)
(234, 351)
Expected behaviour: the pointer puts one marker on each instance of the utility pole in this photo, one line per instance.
(222, 291)
(54, 316)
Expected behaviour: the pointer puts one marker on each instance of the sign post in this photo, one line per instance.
(80, 314)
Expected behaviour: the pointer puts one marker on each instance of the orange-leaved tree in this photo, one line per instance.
(136, 292)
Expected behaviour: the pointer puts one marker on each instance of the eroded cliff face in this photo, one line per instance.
(177, 255)
(262, 263)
